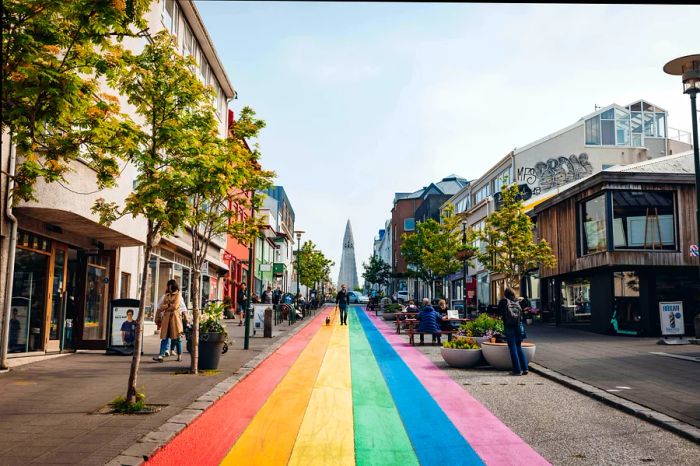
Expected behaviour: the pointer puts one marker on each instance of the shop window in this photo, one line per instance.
(409, 224)
(626, 306)
(28, 304)
(576, 300)
(96, 295)
(125, 285)
(483, 292)
(643, 220)
(594, 232)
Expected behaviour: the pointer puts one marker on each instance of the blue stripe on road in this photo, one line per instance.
(435, 439)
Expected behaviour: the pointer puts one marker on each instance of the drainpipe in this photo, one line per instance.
(5, 335)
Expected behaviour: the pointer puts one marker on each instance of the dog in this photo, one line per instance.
(328, 320)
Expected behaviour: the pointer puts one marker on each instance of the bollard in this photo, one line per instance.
(267, 329)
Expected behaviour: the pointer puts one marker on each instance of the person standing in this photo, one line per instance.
(342, 299)
(241, 302)
(429, 321)
(169, 320)
(512, 315)
(267, 295)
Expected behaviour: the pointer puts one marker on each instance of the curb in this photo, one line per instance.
(664, 421)
(153, 441)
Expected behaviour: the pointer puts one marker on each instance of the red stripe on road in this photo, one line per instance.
(207, 440)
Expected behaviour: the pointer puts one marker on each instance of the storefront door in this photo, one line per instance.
(57, 298)
(96, 297)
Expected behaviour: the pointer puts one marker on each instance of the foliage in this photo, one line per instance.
(120, 404)
(431, 251)
(511, 248)
(55, 53)
(377, 272)
(210, 321)
(459, 342)
(393, 307)
(312, 265)
(482, 325)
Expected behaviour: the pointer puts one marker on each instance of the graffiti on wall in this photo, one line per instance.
(556, 171)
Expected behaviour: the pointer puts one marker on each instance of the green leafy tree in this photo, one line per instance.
(510, 246)
(221, 178)
(432, 250)
(312, 265)
(377, 272)
(54, 54)
(176, 110)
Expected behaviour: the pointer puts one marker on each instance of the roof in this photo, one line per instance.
(448, 185)
(677, 163)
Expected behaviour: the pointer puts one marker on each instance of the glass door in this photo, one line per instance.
(57, 299)
(96, 298)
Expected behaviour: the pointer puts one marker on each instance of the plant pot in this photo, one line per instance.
(210, 347)
(461, 358)
(480, 340)
(498, 356)
(389, 316)
(528, 321)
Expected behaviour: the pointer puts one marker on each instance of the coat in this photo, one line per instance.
(429, 320)
(168, 316)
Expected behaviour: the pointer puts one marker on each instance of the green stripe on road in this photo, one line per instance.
(380, 437)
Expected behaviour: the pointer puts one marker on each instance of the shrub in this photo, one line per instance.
(210, 320)
(482, 325)
(393, 308)
(461, 343)
(120, 405)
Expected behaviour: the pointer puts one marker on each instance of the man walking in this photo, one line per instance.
(342, 299)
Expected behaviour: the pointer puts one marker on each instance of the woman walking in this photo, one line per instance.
(169, 320)
(511, 313)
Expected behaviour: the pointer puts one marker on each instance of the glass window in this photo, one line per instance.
(626, 284)
(576, 300)
(636, 122)
(169, 14)
(483, 290)
(637, 140)
(649, 124)
(636, 107)
(59, 265)
(28, 304)
(643, 220)
(594, 232)
(661, 125)
(622, 132)
(621, 114)
(646, 107)
(608, 114)
(95, 303)
(593, 130)
(409, 224)
(608, 132)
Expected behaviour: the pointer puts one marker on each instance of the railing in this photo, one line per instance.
(679, 135)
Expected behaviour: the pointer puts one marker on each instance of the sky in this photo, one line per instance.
(363, 100)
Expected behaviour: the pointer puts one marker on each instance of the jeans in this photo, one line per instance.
(343, 315)
(165, 345)
(514, 337)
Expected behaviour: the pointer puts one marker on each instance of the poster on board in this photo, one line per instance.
(259, 316)
(671, 315)
(122, 326)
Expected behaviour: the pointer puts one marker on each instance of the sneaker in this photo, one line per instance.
(525, 373)
(179, 357)
(515, 373)
(158, 358)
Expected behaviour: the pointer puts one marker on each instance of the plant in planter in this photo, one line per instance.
(212, 336)
(228, 305)
(461, 352)
(390, 310)
(484, 327)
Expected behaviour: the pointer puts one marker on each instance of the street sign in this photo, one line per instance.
(671, 314)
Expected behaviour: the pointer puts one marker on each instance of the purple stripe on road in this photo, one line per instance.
(493, 441)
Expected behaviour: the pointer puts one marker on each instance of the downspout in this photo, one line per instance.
(5, 335)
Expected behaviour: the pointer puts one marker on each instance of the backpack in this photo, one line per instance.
(513, 314)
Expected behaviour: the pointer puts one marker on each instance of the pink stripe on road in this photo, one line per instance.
(494, 442)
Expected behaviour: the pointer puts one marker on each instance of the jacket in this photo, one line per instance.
(342, 299)
(429, 320)
(503, 310)
(169, 316)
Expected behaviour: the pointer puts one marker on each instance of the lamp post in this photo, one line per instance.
(298, 233)
(689, 68)
(465, 264)
(251, 272)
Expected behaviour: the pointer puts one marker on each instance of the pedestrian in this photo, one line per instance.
(512, 316)
(342, 299)
(411, 306)
(276, 296)
(429, 321)
(169, 320)
(241, 302)
(267, 295)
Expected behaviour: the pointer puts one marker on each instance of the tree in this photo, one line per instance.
(176, 108)
(221, 180)
(312, 265)
(54, 54)
(511, 248)
(377, 272)
(432, 250)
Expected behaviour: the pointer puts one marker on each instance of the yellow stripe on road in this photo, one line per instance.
(270, 436)
(326, 435)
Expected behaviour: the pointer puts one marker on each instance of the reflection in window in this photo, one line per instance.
(483, 291)
(643, 220)
(576, 300)
(626, 284)
(594, 232)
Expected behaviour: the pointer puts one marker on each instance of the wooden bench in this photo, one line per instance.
(412, 332)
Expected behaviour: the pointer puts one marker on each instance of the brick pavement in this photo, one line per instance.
(48, 411)
(664, 384)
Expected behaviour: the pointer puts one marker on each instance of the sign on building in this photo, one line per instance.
(671, 314)
(694, 250)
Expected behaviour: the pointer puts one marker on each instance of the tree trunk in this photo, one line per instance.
(138, 340)
(196, 299)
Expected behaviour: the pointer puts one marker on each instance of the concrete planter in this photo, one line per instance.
(497, 355)
(480, 340)
(461, 358)
(389, 315)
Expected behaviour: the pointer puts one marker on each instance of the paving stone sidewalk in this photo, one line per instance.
(626, 367)
(48, 414)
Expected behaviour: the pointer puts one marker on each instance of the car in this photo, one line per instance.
(402, 296)
(358, 298)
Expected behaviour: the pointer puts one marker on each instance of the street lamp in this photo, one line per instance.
(298, 233)
(464, 266)
(689, 68)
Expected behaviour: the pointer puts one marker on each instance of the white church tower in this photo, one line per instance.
(348, 269)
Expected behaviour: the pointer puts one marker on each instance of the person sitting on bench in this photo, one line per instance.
(429, 321)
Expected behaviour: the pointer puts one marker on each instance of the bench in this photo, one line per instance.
(412, 333)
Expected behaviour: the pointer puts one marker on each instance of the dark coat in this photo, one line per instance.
(429, 320)
(342, 299)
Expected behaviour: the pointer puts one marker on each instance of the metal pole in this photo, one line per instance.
(464, 269)
(696, 153)
(298, 274)
(251, 271)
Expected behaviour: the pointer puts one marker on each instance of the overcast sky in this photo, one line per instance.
(365, 100)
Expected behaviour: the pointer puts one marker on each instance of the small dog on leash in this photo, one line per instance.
(328, 320)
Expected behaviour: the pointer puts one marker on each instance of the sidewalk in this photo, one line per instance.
(625, 367)
(48, 411)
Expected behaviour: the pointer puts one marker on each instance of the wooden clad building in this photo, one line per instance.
(623, 241)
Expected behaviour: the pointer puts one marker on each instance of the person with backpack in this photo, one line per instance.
(512, 316)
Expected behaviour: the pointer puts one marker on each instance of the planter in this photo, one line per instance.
(528, 321)
(498, 356)
(210, 348)
(480, 340)
(389, 315)
(461, 358)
